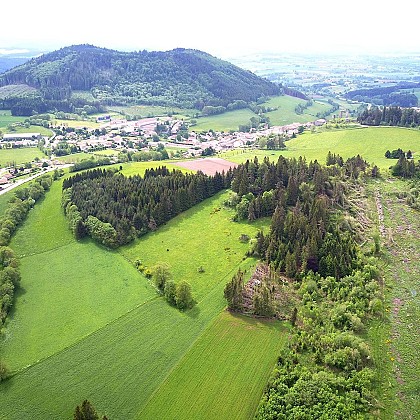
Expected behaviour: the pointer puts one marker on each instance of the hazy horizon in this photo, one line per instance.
(222, 29)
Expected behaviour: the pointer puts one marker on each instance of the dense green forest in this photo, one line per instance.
(181, 77)
(388, 96)
(114, 209)
(305, 238)
(313, 252)
(394, 115)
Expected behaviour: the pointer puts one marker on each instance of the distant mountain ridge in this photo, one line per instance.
(181, 77)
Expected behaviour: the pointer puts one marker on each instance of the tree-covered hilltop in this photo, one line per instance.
(399, 95)
(181, 77)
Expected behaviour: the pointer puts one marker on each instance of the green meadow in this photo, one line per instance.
(86, 324)
(285, 114)
(221, 366)
(371, 143)
(6, 118)
(18, 156)
(145, 111)
(223, 122)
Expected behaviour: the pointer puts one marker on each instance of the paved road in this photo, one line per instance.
(22, 181)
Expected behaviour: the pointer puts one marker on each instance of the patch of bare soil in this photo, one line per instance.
(209, 166)
(285, 298)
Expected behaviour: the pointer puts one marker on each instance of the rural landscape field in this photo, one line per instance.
(189, 237)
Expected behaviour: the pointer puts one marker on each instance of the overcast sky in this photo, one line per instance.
(221, 27)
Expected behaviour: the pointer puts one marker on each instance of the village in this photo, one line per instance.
(148, 133)
(123, 136)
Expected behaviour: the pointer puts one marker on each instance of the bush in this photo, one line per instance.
(170, 292)
(161, 275)
(4, 371)
(183, 296)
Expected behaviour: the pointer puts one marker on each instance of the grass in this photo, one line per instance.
(68, 299)
(225, 372)
(285, 114)
(71, 287)
(223, 122)
(33, 129)
(138, 168)
(76, 123)
(7, 118)
(20, 155)
(90, 326)
(75, 157)
(401, 279)
(181, 244)
(145, 111)
(371, 143)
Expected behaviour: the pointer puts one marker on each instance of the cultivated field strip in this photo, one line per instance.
(118, 366)
(66, 294)
(225, 371)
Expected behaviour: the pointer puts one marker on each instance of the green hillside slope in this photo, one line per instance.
(181, 77)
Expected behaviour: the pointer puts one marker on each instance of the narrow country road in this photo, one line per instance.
(22, 181)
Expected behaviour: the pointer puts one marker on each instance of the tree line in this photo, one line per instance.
(114, 209)
(392, 115)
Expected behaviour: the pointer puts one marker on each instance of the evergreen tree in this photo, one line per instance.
(233, 291)
(263, 301)
(85, 412)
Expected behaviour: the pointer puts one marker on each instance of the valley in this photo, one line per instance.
(307, 193)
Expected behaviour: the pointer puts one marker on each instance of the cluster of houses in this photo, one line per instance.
(119, 134)
(5, 178)
(20, 140)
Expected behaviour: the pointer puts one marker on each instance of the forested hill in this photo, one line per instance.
(180, 77)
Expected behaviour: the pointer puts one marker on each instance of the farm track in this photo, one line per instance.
(400, 230)
(45, 251)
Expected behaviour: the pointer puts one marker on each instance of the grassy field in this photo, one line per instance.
(371, 143)
(224, 122)
(145, 111)
(285, 114)
(176, 242)
(85, 321)
(7, 118)
(402, 255)
(20, 155)
(220, 367)
(87, 275)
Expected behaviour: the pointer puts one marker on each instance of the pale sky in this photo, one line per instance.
(221, 27)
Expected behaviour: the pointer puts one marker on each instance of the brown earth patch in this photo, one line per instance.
(209, 166)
